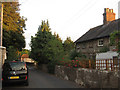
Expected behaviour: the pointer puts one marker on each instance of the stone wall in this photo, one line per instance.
(89, 78)
(90, 48)
(43, 67)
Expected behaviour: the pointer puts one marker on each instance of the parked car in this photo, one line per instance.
(15, 71)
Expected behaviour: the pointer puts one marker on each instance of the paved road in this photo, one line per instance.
(39, 79)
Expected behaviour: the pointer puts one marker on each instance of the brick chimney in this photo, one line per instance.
(108, 15)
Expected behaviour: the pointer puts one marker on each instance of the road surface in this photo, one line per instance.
(39, 79)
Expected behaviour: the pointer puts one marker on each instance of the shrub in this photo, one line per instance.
(104, 49)
(77, 55)
(77, 63)
(74, 54)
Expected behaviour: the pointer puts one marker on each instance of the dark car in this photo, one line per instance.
(15, 71)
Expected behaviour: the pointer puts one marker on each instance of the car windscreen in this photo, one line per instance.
(17, 66)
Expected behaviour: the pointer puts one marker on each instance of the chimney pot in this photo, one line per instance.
(108, 15)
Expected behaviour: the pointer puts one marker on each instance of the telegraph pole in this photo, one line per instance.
(1, 22)
(1, 49)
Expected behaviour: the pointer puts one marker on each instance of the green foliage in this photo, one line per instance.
(45, 47)
(65, 57)
(24, 51)
(53, 50)
(119, 47)
(76, 55)
(115, 39)
(68, 45)
(11, 17)
(14, 39)
(12, 54)
(75, 64)
(57, 37)
(13, 26)
(104, 49)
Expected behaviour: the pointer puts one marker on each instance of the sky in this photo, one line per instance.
(68, 18)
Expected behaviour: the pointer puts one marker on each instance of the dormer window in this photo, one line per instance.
(100, 42)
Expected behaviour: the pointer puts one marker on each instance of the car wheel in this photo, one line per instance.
(3, 84)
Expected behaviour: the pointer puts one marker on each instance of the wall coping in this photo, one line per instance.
(1, 47)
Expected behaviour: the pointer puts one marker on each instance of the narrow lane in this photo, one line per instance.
(39, 79)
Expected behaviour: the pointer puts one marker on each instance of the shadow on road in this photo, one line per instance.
(12, 85)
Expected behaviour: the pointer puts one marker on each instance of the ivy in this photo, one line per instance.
(114, 40)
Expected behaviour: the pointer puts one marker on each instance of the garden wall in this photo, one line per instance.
(90, 78)
(43, 67)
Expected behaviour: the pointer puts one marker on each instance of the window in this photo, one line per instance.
(17, 66)
(83, 46)
(100, 42)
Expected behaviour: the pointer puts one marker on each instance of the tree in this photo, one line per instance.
(13, 29)
(53, 50)
(45, 47)
(76, 55)
(11, 17)
(13, 26)
(68, 44)
(39, 42)
(14, 39)
(12, 54)
(58, 37)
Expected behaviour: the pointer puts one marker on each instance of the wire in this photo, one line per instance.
(82, 12)
(115, 4)
(23, 2)
(86, 9)
(79, 11)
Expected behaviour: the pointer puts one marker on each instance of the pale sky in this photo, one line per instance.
(68, 18)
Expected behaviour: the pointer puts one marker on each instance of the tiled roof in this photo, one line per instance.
(100, 31)
(25, 56)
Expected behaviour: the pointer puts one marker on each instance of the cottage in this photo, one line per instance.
(98, 38)
(25, 58)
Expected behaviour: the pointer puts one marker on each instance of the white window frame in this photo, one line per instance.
(99, 42)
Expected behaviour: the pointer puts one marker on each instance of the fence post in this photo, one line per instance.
(111, 65)
(89, 63)
(106, 65)
(119, 64)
